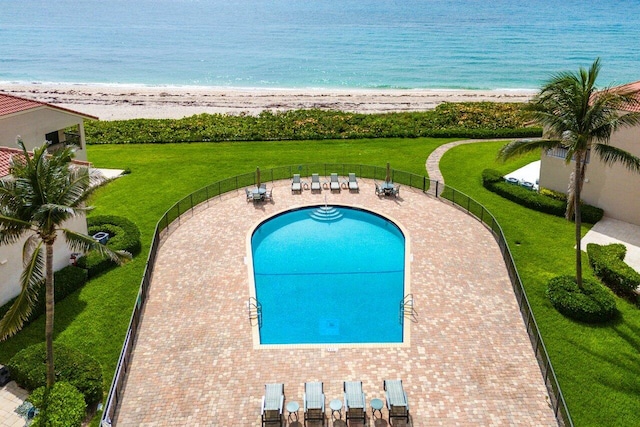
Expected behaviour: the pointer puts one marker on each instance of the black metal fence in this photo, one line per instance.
(171, 219)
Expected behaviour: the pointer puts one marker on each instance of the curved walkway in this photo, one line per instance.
(433, 161)
(468, 361)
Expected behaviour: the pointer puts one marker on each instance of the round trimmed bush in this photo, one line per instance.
(592, 304)
(62, 405)
(29, 369)
(124, 235)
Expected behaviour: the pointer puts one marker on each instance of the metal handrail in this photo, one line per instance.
(254, 310)
(172, 217)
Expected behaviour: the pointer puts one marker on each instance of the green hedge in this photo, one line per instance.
(65, 281)
(61, 406)
(494, 181)
(28, 368)
(593, 304)
(124, 235)
(459, 120)
(608, 264)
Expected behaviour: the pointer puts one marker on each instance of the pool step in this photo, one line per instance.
(326, 214)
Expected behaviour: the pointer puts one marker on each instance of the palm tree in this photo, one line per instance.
(579, 118)
(41, 194)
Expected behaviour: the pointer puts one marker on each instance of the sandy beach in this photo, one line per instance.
(126, 102)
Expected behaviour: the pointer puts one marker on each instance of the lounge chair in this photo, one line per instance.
(272, 404)
(315, 183)
(397, 402)
(334, 184)
(313, 402)
(354, 401)
(353, 183)
(296, 184)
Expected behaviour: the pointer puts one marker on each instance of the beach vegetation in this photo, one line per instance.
(579, 118)
(448, 120)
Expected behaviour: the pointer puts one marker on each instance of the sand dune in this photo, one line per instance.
(126, 102)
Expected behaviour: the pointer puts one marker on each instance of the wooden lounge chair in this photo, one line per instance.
(353, 183)
(272, 404)
(354, 401)
(296, 184)
(334, 184)
(397, 402)
(313, 402)
(315, 183)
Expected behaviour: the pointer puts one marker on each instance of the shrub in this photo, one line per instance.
(28, 368)
(608, 264)
(464, 120)
(124, 235)
(60, 406)
(65, 282)
(536, 201)
(593, 304)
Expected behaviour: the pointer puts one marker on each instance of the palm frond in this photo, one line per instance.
(79, 242)
(31, 280)
(12, 229)
(610, 155)
(523, 146)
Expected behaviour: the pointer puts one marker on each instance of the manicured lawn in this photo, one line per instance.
(597, 366)
(94, 319)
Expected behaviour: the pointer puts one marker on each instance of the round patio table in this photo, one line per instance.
(292, 408)
(376, 405)
(336, 406)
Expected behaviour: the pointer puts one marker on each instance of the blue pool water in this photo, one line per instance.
(329, 275)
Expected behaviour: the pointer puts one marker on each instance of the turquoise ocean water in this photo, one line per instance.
(465, 44)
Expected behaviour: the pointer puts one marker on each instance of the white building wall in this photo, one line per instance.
(32, 126)
(612, 188)
(11, 259)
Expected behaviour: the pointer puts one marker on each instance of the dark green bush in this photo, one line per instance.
(61, 406)
(463, 120)
(593, 304)
(608, 264)
(534, 200)
(65, 282)
(28, 368)
(124, 235)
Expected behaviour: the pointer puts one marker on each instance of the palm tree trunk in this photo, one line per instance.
(577, 189)
(48, 334)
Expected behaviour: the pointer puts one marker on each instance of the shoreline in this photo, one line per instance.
(121, 102)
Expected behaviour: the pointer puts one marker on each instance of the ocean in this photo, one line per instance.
(431, 44)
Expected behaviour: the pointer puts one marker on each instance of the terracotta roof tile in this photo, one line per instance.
(7, 153)
(630, 87)
(10, 104)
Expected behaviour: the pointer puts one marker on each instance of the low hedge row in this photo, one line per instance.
(592, 304)
(28, 368)
(608, 264)
(61, 406)
(65, 281)
(493, 181)
(124, 235)
(460, 120)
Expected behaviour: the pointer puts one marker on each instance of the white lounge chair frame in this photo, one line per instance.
(334, 184)
(315, 183)
(397, 402)
(354, 401)
(314, 401)
(272, 403)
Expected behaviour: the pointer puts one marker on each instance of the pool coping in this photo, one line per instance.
(408, 258)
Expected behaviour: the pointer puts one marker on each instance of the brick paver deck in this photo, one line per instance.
(469, 361)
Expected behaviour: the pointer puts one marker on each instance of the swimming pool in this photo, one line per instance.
(329, 275)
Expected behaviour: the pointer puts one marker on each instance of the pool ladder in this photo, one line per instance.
(254, 310)
(407, 309)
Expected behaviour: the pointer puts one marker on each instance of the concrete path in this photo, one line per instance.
(11, 397)
(468, 359)
(433, 161)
